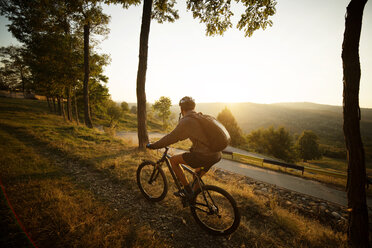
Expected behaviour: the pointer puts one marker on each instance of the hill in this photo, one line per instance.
(325, 120)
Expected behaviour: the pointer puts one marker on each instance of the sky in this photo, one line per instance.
(298, 59)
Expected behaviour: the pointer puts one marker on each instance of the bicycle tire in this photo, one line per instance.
(227, 207)
(152, 192)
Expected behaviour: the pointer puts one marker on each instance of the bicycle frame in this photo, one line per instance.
(165, 158)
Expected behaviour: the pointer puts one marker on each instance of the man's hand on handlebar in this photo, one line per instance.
(149, 146)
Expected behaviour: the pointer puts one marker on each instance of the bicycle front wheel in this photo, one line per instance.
(151, 181)
(215, 210)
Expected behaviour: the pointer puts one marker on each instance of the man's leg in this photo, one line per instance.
(201, 173)
(175, 162)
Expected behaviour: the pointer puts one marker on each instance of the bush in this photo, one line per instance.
(333, 152)
(308, 146)
(124, 106)
(277, 143)
(133, 110)
(114, 112)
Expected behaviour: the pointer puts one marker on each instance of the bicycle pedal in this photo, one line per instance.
(179, 193)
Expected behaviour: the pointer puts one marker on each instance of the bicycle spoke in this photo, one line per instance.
(205, 211)
(152, 182)
(215, 211)
(154, 175)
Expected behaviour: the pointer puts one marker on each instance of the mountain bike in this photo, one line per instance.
(214, 209)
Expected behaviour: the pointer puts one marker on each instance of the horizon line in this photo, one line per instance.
(294, 102)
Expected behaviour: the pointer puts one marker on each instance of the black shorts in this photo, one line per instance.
(201, 160)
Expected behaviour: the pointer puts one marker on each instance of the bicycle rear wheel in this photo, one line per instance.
(215, 210)
(151, 181)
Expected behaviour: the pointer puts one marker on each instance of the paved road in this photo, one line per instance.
(290, 182)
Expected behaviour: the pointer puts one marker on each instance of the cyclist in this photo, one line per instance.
(199, 157)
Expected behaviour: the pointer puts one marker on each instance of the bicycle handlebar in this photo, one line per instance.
(165, 152)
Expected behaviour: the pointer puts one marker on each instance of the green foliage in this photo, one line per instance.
(125, 3)
(256, 16)
(162, 106)
(228, 120)
(277, 143)
(114, 112)
(98, 95)
(124, 106)
(163, 11)
(308, 146)
(53, 45)
(14, 71)
(217, 15)
(332, 152)
(133, 109)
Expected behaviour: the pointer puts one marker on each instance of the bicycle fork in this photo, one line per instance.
(212, 208)
(154, 174)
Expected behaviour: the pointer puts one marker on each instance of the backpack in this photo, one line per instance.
(217, 135)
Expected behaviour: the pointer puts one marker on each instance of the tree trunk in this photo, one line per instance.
(49, 106)
(356, 181)
(23, 83)
(87, 118)
(143, 137)
(59, 105)
(76, 108)
(69, 105)
(63, 109)
(54, 104)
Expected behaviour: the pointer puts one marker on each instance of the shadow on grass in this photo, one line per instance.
(11, 234)
(34, 176)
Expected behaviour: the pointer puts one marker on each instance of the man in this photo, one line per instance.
(199, 157)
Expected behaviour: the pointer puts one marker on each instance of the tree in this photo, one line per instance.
(53, 39)
(308, 146)
(228, 120)
(94, 21)
(143, 137)
(277, 143)
(162, 106)
(133, 109)
(124, 106)
(162, 12)
(217, 15)
(13, 68)
(98, 91)
(358, 213)
(114, 112)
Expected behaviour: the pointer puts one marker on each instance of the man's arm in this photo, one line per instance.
(179, 133)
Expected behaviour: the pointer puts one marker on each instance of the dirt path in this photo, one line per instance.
(175, 226)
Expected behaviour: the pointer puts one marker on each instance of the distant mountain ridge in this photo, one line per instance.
(325, 120)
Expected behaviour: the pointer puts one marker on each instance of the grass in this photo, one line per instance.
(128, 122)
(58, 208)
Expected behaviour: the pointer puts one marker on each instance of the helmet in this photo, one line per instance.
(187, 103)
